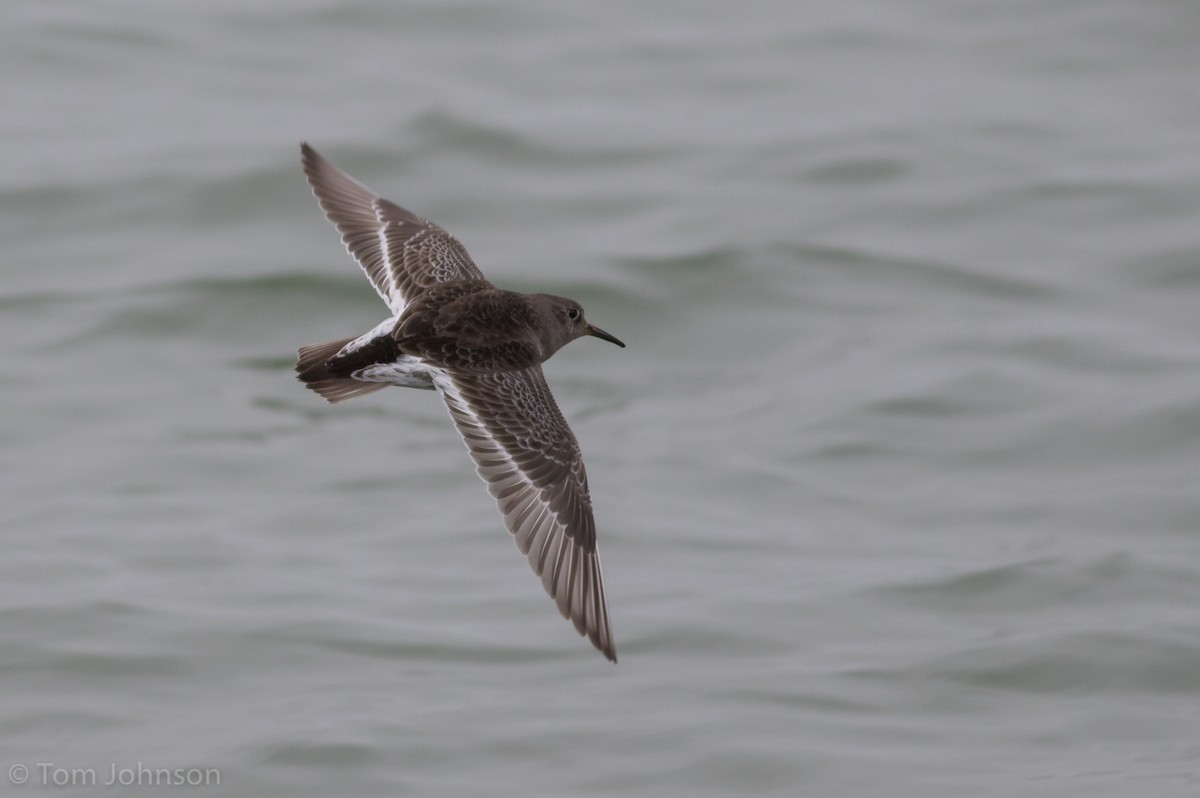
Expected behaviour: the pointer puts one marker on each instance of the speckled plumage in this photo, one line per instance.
(481, 348)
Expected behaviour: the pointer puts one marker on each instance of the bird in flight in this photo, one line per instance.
(481, 348)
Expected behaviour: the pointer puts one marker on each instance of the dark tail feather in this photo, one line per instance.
(314, 370)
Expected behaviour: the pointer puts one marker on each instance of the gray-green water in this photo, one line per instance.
(896, 481)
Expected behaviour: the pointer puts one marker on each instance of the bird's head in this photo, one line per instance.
(564, 322)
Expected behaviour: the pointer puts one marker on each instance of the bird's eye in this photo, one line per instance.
(572, 313)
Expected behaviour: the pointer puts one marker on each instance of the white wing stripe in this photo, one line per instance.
(394, 299)
(568, 573)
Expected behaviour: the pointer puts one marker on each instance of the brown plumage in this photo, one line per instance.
(481, 348)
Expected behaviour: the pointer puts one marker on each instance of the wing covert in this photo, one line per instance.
(401, 253)
(530, 460)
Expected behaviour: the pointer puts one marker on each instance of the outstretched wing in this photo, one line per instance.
(401, 253)
(530, 460)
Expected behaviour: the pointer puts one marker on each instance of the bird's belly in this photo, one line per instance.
(406, 371)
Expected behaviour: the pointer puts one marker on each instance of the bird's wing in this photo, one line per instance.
(401, 253)
(530, 460)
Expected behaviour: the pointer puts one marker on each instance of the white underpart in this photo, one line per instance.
(383, 328)
(406, 371)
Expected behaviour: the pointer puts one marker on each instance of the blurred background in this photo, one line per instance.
(896, 481)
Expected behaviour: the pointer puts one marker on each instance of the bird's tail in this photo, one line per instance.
(318, 370)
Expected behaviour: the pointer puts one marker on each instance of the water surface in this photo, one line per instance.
(896, 480)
